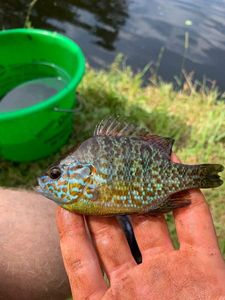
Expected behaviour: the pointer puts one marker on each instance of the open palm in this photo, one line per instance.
(195, 271)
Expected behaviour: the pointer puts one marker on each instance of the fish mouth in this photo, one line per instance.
(40, 190)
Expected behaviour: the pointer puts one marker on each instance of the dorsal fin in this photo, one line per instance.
(165, 144)
(116, 127)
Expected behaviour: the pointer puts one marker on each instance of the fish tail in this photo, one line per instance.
(207, 175)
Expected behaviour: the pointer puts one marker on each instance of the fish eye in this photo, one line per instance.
(55, 173)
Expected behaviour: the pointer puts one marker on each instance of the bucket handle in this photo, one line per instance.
(67, 110)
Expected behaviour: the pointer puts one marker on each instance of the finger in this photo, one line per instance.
(152, 235)
(194, 223)
(79, 256)
(111, 244)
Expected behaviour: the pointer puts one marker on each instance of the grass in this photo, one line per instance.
(193, 116)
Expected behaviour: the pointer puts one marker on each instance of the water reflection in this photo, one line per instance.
(163, 25)
(137, 28)
(102, 19)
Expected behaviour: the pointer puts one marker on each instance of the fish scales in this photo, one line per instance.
(121, 170)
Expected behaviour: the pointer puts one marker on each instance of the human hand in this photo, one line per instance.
(195, 271)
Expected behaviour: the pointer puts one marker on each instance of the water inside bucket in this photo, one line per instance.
(30, 92)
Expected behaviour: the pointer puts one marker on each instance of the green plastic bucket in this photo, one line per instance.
(37, 130)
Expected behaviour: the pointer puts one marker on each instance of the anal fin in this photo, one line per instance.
(179, 199)
(176, 200)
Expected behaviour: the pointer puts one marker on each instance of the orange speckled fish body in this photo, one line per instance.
(124, 171)
(129, 177)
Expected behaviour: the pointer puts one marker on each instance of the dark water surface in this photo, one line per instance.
(140, 29)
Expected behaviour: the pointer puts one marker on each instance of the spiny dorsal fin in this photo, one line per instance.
(116, 127)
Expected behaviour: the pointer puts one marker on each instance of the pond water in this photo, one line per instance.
(142, 30)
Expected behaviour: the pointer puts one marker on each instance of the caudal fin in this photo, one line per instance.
(208, 176)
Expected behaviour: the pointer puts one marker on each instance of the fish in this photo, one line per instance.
(124, 169)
